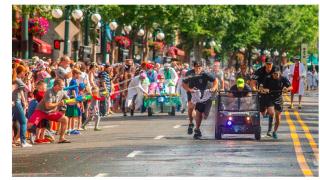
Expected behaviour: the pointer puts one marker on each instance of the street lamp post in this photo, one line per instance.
(66, 31)
(25, 35)
(141, 34)
(113, 26)
(160, 36)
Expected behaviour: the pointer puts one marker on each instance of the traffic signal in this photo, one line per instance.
(56, 44)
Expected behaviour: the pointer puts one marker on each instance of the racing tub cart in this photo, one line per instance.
(237, 115)
(165, 103)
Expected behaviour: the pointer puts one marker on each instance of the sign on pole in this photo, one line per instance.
(304, 54)
(60, 30)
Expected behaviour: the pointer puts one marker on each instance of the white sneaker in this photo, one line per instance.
(24, 145)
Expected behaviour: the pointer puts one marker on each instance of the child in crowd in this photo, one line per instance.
(94, 109)
(73, 111)
(38, 93)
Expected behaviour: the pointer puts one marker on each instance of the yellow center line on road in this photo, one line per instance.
(312, 143)
(297, 147)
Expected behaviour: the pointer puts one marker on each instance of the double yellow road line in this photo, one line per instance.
(296, 142)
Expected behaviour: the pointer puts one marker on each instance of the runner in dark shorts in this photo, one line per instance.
(275, 85)
(198, 84)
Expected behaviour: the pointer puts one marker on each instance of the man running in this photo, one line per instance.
(275, 85)
(190, 74)
(259, 78)
(200, 81)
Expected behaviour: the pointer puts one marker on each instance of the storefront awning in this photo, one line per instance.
(40, 46)
(174, 52)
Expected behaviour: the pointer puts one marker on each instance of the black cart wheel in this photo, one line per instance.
(257, 133)
(149, 111)
(218, 133)
(173, 111)
(132, 112)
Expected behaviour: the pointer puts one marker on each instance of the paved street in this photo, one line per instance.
(160, 146)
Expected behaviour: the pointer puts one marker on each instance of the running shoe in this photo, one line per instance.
(269, 134)
(190, 128)
(25, 145)
(197, 134)
(291, 106)
(46, 140)
(75, 132)
(38, 141)
(275, 135)
(32, 138)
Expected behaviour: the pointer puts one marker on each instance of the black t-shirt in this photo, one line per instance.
(260, 75)
(236, 93)
(276, 85)
(199, 81)
(190, 73)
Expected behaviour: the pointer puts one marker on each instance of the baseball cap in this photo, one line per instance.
(240, 83)
(197, 63)
(277, 69)
(269, 61)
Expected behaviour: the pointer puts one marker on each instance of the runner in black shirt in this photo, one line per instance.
(258, 79)
(189, 74)
(201, 81)
(275, 85)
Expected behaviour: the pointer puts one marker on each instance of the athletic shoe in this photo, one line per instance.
(275, 135)
(190, 128)
(49, 138)
(299, 107)
(25, 145)
(197, 134)
(97, 129)
(32, 138)
(38, 141)
(46, 140)
(269, 134)
(75, 132)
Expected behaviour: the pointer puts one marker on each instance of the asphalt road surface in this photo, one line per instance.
(160, 146)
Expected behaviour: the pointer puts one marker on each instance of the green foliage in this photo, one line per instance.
(281, 27)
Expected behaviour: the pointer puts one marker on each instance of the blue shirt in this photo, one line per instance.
(73, 82)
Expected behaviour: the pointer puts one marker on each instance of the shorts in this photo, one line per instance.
(72, 111)
(38, 116)
(204, 107)
(277, 103)
(189, 96)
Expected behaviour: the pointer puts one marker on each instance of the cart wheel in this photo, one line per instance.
(257, 133)
(161, 107)
(131, 112)
(149, 111)
(218, 133)
(173, 111)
